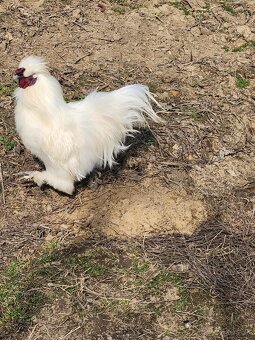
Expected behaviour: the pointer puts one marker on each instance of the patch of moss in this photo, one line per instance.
(242, 82)
(8, 143)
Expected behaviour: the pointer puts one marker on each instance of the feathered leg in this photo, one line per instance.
(64, 183)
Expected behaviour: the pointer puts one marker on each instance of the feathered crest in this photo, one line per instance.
(33, 65)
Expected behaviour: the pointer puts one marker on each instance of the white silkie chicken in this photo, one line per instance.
(71, 139)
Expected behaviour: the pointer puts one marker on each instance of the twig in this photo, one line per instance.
(71, 332)
(2, 184)
(32, 332)
(81, 26)
(85, 55)
(158, 18)
(107, 39)
(186, 1)
(102, 87)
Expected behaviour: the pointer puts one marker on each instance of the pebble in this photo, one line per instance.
(244, 30)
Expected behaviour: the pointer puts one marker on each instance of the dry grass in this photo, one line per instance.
(223, 261)
(136, 282)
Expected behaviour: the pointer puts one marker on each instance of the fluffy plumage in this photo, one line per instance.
(71, 139)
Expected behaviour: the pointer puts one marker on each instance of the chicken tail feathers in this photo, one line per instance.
(109, 117)
(136, 102)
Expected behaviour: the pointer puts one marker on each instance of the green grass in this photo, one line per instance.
(21, 296)
(20, 284)
(196, 116)
(242, 82)
(16, 301)
(119, 10)
(152, 88)
(161, 278)
(226, 48)
(245, 46)
(139, 266)
(179, 5)
(228, 7)
(119, 5)
(121, 305)
(87, 263)
(207, 7)
(8, 143)
(121, 282)
(148, 140)
(15, 269)
(182, 302)
(7, 88)
(49, 254)
(69, 100)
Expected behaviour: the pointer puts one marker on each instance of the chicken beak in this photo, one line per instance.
(16, 78)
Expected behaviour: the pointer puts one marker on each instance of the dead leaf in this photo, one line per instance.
(174, 92)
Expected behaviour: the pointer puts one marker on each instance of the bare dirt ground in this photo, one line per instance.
(161, 246)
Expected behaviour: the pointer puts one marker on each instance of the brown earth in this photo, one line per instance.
(198, 58)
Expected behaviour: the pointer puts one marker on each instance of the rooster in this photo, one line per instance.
(71, 139)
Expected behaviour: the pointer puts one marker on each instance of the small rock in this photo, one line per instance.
(8, 36)
(76, 13)
(195, 31)
(176, 147)
(205, 31)
(187, 323)
(232, 173)
(171, 294)
(40, 3)
(3, 45)
(49, 237)
(76, 230)
(166, 338)
(225, 152)
(198, 168)
(49, 208)
(244, 30)
(164, 96)
(64, 226)
(181, 267)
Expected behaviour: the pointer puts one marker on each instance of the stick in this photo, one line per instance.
(2, 183)
(32, 332)
(85, 55)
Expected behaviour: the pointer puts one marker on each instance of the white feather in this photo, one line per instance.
(72, 139)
